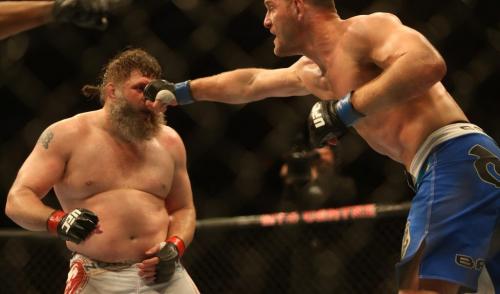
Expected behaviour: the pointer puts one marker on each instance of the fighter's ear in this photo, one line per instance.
(109, 91)
(298, 6)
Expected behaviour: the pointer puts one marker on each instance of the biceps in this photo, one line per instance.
(281, 82)
(40, 172)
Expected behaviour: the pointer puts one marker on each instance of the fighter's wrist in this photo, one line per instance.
(53, 221)
(346, 111)
(179, 244)
(183, 93)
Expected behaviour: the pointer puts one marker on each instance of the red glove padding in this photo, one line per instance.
(74, 226)
(181, 247)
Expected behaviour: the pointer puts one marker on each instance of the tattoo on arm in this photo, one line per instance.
(45, 138)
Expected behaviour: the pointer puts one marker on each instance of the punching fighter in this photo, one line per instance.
(382, 78)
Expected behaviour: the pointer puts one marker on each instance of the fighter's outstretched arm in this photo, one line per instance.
(240, 86)
(248, 85)
(410, 65)
(18, 16)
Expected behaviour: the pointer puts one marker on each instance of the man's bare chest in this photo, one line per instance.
(96, 168)
(340, 76)
(344, 76)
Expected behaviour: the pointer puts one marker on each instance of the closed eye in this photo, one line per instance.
(140, 88)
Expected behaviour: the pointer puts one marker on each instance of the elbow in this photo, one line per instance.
(439, 68)
(14, 205)
(435, 70)
(10, 210)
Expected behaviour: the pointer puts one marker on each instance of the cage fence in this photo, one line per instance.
(324, 251)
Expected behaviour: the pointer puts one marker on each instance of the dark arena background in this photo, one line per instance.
(235, 152)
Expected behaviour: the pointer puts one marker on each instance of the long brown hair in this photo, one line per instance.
(119, 68)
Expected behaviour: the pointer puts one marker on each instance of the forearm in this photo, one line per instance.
(18, 16)
(234, 87)
(407, 78)
(183, 224)
(248, 85)
(27, 210)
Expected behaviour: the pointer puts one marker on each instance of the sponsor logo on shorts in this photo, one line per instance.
(77, 278)
(487, 165)
(469, 262)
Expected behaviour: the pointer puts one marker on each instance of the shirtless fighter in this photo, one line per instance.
(120, 176)
(382, 78)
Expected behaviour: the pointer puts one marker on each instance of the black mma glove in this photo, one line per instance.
(84, 13)
(74, 226)
(169, 255)
(166, 91)
(330, 120)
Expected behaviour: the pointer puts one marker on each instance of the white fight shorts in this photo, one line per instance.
(87, 276)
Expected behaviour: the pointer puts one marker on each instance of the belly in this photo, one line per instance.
(131, 222)
(399, 131)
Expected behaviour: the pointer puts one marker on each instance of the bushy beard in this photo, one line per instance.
(134, 125)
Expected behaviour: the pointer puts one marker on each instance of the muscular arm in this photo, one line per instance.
(248, 85)
(179, 202)
(41, 170)
(409, 63)
(18, 16)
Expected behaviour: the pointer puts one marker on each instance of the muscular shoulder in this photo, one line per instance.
(380, 36)
(170, 140)
(375, 22)
(382, 17)
(365, 28)
(65, 133)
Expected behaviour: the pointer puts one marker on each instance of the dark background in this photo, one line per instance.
(234, 152)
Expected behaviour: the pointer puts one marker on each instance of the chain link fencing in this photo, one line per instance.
(348, 250)
(239, 146)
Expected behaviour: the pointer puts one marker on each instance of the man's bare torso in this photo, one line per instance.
(397, 132)
(124, 184)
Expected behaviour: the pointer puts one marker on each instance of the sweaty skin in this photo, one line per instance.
(128, 185)
(393, 70)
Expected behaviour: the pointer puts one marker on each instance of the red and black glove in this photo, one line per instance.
(169, 255)
(74, 226)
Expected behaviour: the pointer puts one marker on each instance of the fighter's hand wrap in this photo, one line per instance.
(330, 119)
(163, 90)
(74, 226)
(172, 250)
(85, 13)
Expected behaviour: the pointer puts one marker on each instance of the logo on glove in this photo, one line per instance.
(70, 220)
(316, 116)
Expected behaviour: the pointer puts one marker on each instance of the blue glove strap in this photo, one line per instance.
(183, 93)
(346, 112)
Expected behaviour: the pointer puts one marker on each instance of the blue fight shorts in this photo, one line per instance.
(454, 217)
